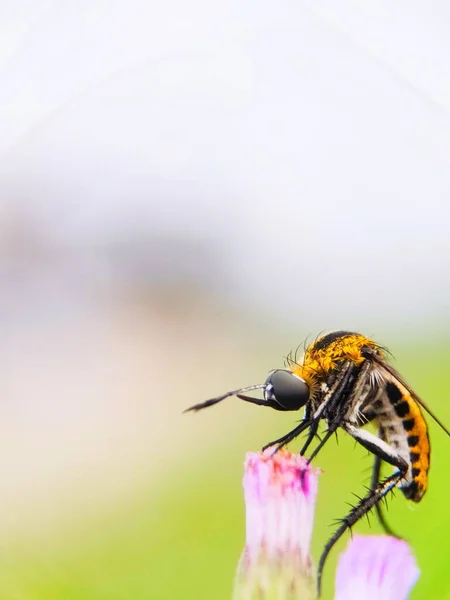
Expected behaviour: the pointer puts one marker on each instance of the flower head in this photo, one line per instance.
(280, 492)
(374, 567)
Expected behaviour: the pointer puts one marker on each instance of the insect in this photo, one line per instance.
(345, 379)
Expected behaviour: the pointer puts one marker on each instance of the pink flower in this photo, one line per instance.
(280, 493)
(376, 567)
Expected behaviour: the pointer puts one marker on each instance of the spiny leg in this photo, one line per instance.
(382, 451)
(361, 509)
(288, 437)
(311, 435)
(369, 415)
(313, 427)
(380, 448)
(323, 441)
(378, 507)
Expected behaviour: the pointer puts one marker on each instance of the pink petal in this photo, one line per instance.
(280, 492)
(376, 568)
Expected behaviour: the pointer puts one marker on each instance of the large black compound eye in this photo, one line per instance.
(286, 389)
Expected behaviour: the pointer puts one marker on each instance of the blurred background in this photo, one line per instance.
(188, 191)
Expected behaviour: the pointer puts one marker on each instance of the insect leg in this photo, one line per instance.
(337, 389)
(377, 446)
(313, 425)
(311, 435)
(378, 507)
(288, 437)
(327, 436)
(356, 513)
(380, 448)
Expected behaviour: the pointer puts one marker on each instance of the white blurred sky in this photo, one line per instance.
(307, 142)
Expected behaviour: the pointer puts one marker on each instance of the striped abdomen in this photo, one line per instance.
(404, 428)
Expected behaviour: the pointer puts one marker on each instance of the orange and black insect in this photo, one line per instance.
(345, 380)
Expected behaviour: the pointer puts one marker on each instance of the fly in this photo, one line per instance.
(345, 380)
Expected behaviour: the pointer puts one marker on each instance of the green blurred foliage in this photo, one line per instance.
(181, 536)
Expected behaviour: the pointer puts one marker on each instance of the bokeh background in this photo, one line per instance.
(187, 192)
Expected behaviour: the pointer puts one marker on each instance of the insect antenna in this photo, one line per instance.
(217, 399)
